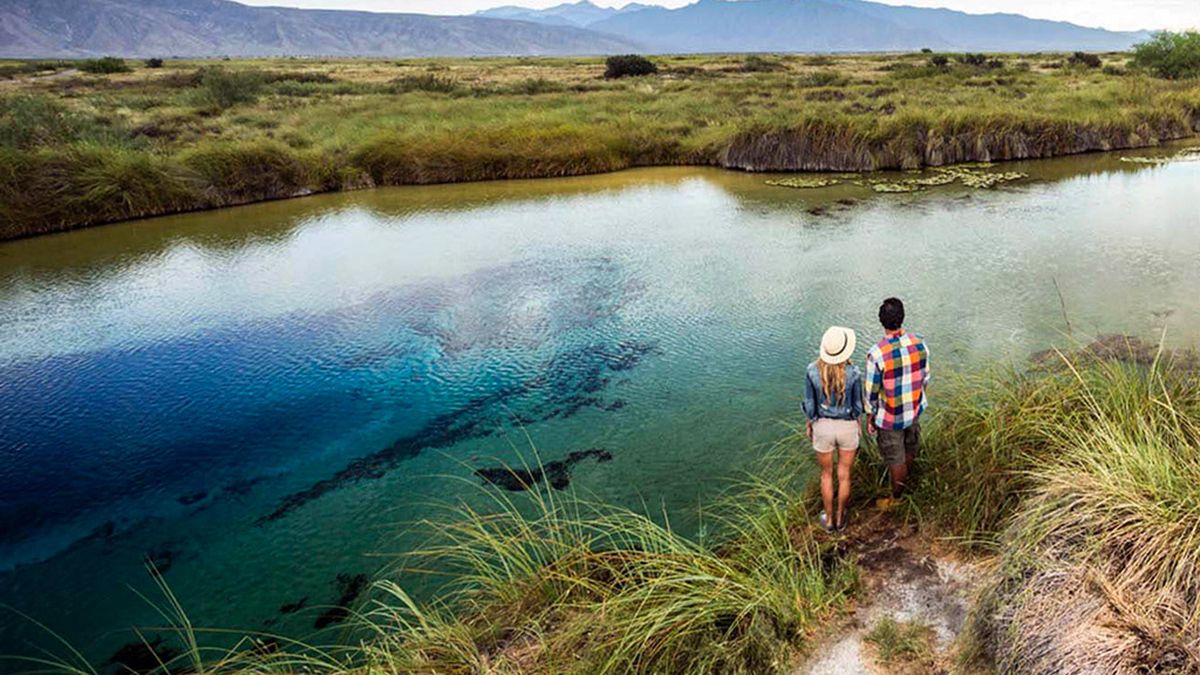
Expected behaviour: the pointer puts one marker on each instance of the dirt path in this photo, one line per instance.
(906, 580)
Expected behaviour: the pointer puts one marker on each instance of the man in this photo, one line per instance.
(896, 376)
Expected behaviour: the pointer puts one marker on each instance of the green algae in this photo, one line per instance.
(804, 183)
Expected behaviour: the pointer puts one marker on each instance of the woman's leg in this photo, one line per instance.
(825, 460)
(845, 465)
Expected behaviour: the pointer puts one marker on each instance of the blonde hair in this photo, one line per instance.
(833, 380)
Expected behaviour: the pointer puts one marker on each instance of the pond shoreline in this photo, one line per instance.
(780, 151)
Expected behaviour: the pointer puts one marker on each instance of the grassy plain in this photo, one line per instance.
(79, 149)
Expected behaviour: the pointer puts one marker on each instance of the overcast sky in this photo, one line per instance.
(1112, 14)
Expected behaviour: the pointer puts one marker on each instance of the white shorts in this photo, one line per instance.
(830, 435)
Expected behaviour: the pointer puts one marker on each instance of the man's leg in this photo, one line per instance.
(912, 447)
(891, 448)
(899, 475)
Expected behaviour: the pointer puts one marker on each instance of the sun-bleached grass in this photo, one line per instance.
(1083, 474)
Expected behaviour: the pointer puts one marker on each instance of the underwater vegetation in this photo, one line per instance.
(557, 473)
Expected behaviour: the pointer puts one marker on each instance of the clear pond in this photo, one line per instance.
(262, 400)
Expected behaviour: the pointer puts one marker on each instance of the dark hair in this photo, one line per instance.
(891, 314)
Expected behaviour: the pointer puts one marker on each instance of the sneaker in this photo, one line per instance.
(824, 521)
(845, 519)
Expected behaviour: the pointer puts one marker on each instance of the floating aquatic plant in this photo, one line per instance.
(813, 182)
(1185, 155)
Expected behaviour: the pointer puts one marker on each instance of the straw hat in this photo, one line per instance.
(837, 345)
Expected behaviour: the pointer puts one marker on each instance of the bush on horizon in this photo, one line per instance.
(1085, 60)
(105, 66)
(222, 88)
(1174, 56)
(628, 65)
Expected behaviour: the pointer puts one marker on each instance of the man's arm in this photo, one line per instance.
(925, 380)
(873, 385)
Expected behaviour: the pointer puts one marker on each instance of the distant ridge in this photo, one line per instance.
(823, 25)
(77, 28)
(579, 14)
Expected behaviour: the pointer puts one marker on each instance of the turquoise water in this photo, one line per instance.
(264, 398)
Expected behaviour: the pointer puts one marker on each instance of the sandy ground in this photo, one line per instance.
(905, 578)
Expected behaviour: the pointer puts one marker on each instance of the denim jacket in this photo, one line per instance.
(818, 406)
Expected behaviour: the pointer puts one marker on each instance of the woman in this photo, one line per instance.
(833, 403)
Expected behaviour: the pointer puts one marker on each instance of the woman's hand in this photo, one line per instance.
(808, 429)
(871, 430)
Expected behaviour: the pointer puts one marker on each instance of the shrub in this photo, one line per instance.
(758, 64)
(1085, 60)
(926, 50)
(822, 78)
(104, 66)
(629, 65)
(427, 82)
(533, 86)
(968, 59)
(154, 63)
(1169, 55)
(221, 88)
(939, 60)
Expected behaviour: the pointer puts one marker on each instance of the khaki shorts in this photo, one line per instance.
(830, 435)
(894, 444)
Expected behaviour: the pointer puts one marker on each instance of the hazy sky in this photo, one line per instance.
(1113, 14)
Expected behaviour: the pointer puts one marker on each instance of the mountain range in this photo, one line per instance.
(76, 28)
(579, 14)
(820, 26)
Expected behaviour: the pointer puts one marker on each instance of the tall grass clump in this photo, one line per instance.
(1100, 562)
(248, 171)
(88, 182)
(394, 158)
(32, 121)
(1084, 472)
(564, 585)
(428, 82)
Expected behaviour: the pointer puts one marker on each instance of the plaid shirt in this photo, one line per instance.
(897, 372)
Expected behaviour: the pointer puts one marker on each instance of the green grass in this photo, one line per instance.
(363, 122)
(899, 643)
(1084, 476)
(563, 585)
